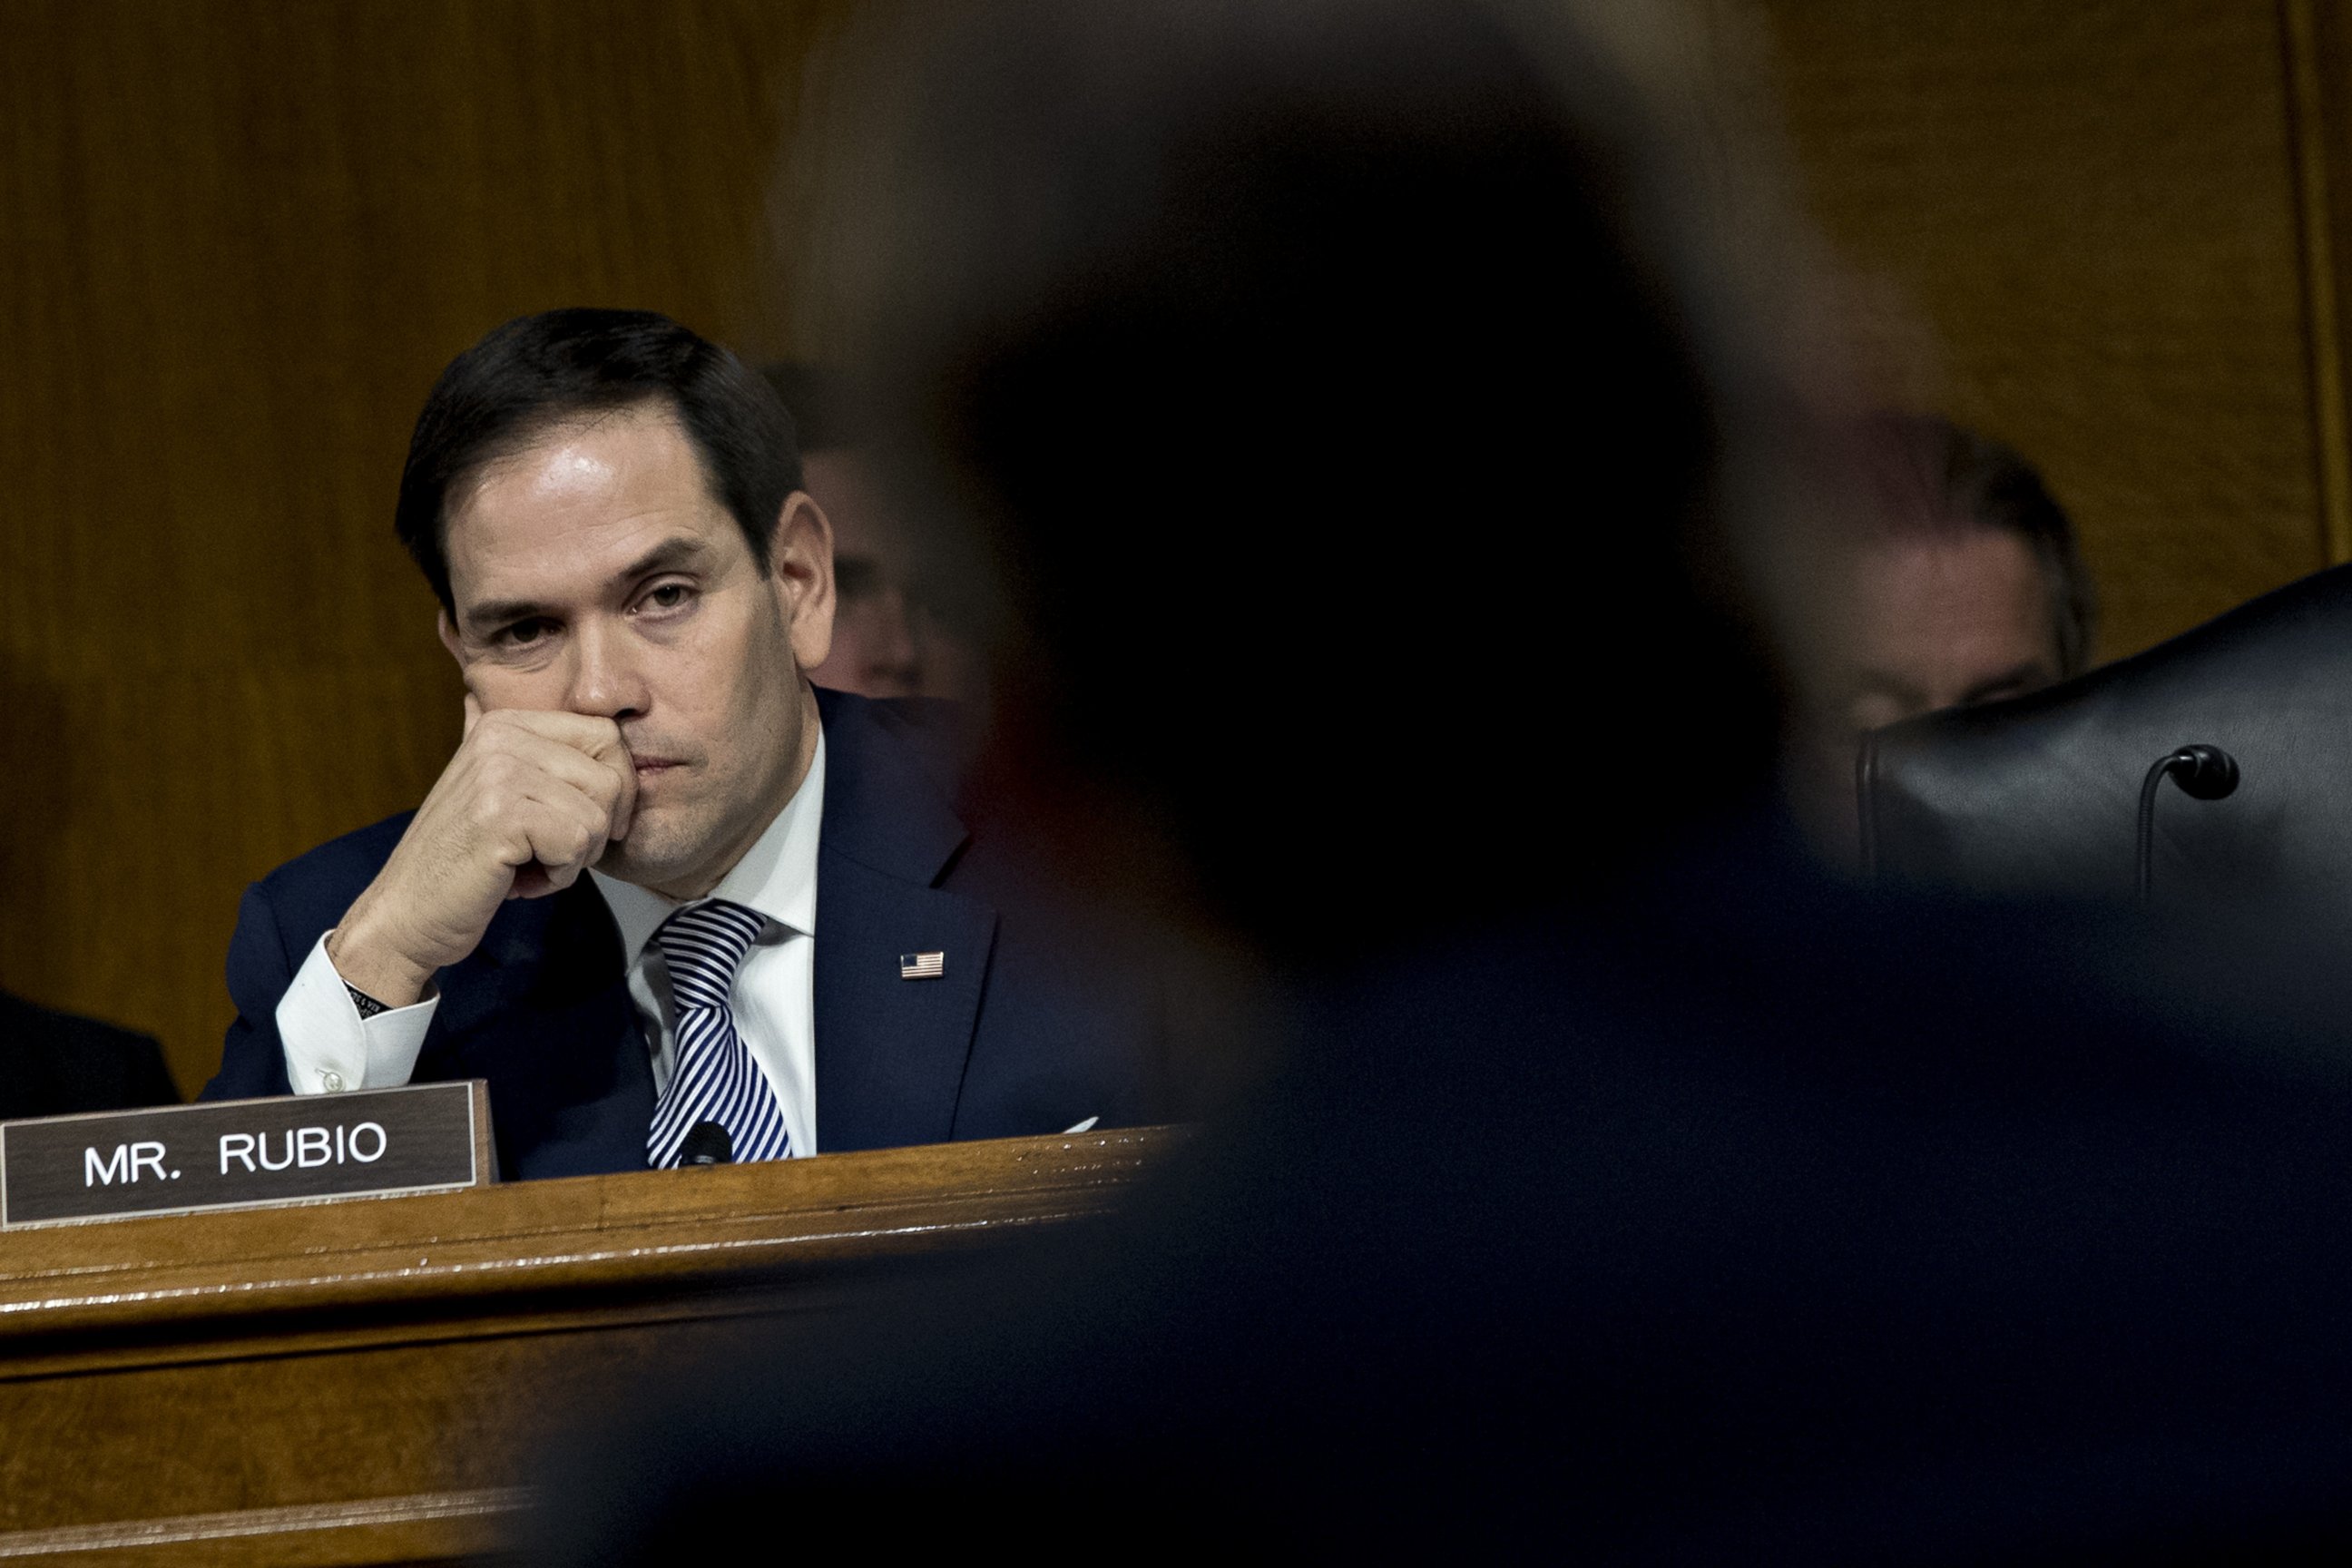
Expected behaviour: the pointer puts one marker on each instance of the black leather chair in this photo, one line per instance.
(2041, 796)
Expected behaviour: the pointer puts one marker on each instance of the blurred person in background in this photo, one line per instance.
(1965, 585)
(890, 637)
(1971, 590)
(1624, 1191)
(55, 1064)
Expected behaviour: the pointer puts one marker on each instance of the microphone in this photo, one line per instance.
(2203, 772)
(706, 1144)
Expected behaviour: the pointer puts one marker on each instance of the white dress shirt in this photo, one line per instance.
(329, 1046)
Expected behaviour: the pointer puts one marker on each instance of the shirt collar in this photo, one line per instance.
(776, 877)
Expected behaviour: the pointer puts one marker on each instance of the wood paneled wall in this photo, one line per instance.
(238, 238)
(2081, 226)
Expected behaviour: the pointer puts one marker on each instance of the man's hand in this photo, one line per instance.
(529, 802)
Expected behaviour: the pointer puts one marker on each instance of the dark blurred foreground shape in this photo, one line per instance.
(1625, 1195)
(55, 1064)
(1976, 1260)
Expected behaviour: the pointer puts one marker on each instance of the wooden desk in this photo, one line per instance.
(362, 1382)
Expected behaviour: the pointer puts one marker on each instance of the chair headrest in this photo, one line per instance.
(2041, 795)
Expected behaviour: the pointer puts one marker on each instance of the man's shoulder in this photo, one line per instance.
(22, 1019)
(938, 733)
(338, 868)
(54, 1063)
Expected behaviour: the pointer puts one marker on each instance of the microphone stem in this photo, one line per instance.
(2147, 821)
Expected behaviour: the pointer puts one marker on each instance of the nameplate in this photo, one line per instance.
(245, 1153)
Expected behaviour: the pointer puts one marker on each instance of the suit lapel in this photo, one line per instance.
(890, 1052)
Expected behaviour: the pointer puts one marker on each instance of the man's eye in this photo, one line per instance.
(522, 634)
(669, 595)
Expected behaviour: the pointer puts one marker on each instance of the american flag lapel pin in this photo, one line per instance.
(922, 966)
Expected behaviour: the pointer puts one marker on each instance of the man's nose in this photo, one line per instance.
(606, 682)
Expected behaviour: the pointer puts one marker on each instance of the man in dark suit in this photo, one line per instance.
(607, 906)
(55, 1064)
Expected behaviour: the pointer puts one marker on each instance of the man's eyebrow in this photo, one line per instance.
(501, 613)
(667, 556)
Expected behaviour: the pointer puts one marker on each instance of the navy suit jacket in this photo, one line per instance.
(1017, 1036)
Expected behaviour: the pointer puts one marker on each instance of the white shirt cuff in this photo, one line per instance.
(329, 1047)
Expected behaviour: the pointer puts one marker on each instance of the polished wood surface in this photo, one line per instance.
(371, 1381)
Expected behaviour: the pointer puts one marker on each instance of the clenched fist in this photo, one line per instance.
(529, 802)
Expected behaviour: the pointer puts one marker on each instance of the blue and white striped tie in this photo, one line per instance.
(714, 1078)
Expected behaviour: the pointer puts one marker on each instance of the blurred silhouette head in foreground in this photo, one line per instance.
(1170, 315)
(1650, 1204)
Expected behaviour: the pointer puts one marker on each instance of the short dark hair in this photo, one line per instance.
(1932, 473)
(537, 371)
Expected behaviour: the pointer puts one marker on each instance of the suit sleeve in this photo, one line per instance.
(253, 1058)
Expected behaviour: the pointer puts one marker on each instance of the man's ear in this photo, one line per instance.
(800, 562)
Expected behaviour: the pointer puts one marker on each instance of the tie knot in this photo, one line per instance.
(704, 944)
